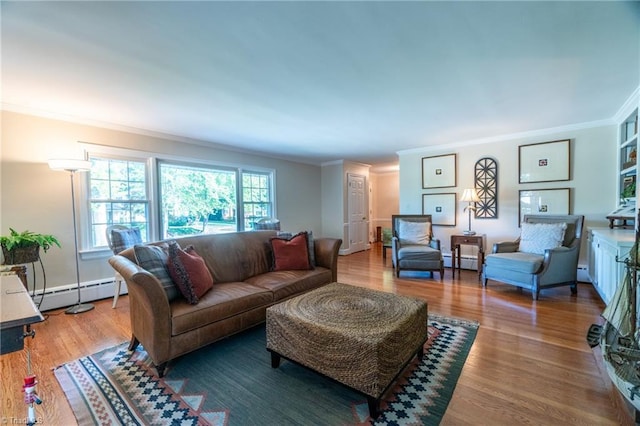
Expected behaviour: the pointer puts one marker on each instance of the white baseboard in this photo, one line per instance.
(583, 274)
(466, 261)
(67, 295)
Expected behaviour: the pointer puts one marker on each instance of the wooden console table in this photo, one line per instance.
(470, 240)
(18, 311)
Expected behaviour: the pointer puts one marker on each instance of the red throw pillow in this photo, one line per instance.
(189, 271)
(290, 254)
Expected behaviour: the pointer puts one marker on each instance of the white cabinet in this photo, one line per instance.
(607, 249)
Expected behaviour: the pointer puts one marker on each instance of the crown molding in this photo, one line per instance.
(144, 132)
(630, 104)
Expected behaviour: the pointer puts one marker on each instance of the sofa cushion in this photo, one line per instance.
(414, 232)
(418, 252)
(223, 301)
(291, 254)
(122, 239)
(233, 256)
(527, 263)
(538, 237)
(153, 258)
(285, 284)
(189, 272)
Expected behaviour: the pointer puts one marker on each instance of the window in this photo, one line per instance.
(171, 198)
(256, 197)
(118, 195)
(196, 199)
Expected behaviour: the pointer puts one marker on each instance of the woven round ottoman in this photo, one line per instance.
(359, 337)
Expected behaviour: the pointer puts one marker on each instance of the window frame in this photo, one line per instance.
(152, 161)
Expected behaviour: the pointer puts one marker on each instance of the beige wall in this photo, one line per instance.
(335, 197)
(385, 195)
(36, 198)
(593, 181)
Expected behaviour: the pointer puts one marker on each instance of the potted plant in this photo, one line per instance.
(24, 247)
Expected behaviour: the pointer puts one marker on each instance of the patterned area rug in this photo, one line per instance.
(231, 382)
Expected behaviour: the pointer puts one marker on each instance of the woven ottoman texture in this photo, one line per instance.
(359, 337)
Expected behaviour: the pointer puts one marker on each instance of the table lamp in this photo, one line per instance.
(470, 196)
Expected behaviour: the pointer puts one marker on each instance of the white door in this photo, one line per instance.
(357, 213)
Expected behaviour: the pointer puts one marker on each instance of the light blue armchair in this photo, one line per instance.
(546, 254)
(413, 246)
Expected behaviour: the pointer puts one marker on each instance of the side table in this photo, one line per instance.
(385, 246)
(469, 240)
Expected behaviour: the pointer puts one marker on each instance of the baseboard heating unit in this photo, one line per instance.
(67, 295)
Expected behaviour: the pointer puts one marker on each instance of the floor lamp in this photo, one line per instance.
(470, 196)
(73, 167)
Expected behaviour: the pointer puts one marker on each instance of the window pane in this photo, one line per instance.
(118, 196)
(137, 191)
(196, 199)
(256, 192)
(99, 188)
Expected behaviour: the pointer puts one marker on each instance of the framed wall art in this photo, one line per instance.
(441, 207)
(439, 171)
(544, 162)
(544, 201)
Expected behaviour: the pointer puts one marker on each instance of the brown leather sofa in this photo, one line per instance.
(244, 286)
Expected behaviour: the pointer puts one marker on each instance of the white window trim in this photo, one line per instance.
(151, 159)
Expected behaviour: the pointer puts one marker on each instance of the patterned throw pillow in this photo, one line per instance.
(122, 239)
(291, 254)
(154, 260)
(414, 232)
(189, 272)
(537, 237)
(311, 246)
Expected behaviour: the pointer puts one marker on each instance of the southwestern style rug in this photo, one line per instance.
(231, 382)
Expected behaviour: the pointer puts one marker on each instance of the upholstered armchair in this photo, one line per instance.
(544, 256)
(413, 246)
(267, 223)
(119, 238)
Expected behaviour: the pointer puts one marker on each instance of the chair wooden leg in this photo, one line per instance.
(118, 284)
(133, 344)
(160, 368)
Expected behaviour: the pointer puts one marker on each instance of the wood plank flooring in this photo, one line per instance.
(530, 363)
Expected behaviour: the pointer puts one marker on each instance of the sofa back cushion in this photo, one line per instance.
(233, 256)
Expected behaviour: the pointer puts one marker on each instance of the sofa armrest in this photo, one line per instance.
(149, 308)
(506, 247)
(326, 251)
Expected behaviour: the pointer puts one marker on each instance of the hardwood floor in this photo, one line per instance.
(530, 363)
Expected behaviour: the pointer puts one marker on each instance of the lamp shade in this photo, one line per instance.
(470, 195)
(70, 165)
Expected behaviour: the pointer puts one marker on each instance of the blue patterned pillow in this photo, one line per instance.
(154, 259)
(122, 239)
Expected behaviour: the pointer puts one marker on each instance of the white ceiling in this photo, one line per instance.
(320, 81)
